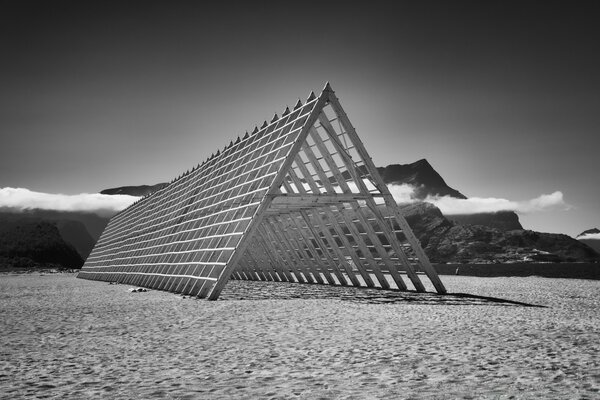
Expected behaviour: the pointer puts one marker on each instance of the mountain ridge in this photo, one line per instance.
(470, 238)
(31, 242)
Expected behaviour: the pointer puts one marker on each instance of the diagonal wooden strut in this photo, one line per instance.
(298, 200)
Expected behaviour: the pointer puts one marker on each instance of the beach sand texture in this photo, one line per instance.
(62, 337)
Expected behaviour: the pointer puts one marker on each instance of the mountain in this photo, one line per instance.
(77, 230)
(593, 231)
(502, 220)
(429, 183)
(445, 241)
(65, 238)
(93, 223)
(30, 242)
(138, 191)
(75, 233)
(420, 175)
(590, 237)
(472, 238)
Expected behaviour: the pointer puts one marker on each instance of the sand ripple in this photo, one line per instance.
(63, 337)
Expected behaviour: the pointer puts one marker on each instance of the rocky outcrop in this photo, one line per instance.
(29, 242)
(502, 220)
(420, 175)
(445, 241)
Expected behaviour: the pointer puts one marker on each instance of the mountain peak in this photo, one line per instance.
(141, 190)
(589, 232)
(422, 176)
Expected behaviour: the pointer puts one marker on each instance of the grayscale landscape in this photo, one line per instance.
(291, 162)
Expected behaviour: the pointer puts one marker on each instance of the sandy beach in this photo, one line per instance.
(63, 337)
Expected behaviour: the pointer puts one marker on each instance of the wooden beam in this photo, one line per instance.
(424, 260)
(313, 200)
(319, 240)
(266, 203)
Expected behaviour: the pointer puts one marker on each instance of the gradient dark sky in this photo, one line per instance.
(502, 98)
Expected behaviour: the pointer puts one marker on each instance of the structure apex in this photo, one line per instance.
(255, 131)
(264, 125)
(275, 118)
(327, 87)
(247, 135)
(286, 111)
(311, 97)
(298, 104)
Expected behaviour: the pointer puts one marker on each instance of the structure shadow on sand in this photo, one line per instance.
(248, 290)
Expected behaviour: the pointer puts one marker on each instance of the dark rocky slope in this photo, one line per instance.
(30, 242)
(447, 242)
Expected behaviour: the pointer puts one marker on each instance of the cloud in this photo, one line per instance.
(595, 236)
(23, 199)
(403, 193)
(475, 205)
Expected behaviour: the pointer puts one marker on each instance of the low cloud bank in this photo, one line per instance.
(475, 205)
(23, 199)
(595, 236)
(102, 204)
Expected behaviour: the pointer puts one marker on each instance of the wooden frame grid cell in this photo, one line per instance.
(298, 200)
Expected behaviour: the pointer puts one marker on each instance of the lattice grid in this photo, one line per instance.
(298, 200)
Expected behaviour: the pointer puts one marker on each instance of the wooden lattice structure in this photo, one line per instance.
(298, 200)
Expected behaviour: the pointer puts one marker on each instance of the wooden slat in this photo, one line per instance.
(292, 201)
(372, 235)
(322, 266)
(319, 240)
(331, 193)
(281, 233)
(286, 225)
(280, 247)
(425, 264)
(273, 206)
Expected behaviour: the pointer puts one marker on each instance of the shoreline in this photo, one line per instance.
(573, 270)
(544, 270)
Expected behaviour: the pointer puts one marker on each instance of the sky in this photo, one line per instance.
(502, 98)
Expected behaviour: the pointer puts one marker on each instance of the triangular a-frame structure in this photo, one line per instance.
(298, 200)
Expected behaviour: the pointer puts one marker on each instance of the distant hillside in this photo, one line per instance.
(503, 220)
(138, 191)
(585, 237)
(428, 182)
(29, 242)
(445, 241)
(75, 233)
(473, 238)
(94, 224)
